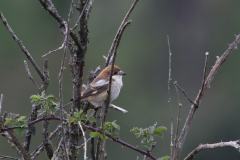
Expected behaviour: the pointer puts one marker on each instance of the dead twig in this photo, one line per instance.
(30, 75)
(199, 97)
(234, 144)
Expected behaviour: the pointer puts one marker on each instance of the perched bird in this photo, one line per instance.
(96, 92)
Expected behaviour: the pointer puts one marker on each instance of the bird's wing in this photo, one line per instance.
(96, 87)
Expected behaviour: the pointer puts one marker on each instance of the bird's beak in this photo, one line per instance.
(122, 73)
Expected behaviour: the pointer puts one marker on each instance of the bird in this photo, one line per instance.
(97, 91)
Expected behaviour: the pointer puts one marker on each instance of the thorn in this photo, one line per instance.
(217, 57)
(235, 47)
(207, 53)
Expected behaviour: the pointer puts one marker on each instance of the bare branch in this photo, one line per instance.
(169, 95)
(19, 42)
(30, 75)
(61, 47)
(234, 144)
(89, 8)
(199, 97)
(175, 83)
(85, 140)
(80, 16)
(1, 100)
(178, 116)
(119, 33)
(116, 108)
(40, 148)
(61, 78)
(2, 156)
(84, 143)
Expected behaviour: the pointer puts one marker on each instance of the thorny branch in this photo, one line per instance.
(234, 144)
(199, 97)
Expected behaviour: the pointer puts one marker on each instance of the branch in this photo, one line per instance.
(93, 129)
(85, 140)
(122, 142)
(1, 100)
(40, 148)
(175, 83)
(199, 97)
(17, 143)
(22, 47)
(119, 32)
(30, 75)
(2, 156)
(178, 116)
(169, 96)
(234, 144)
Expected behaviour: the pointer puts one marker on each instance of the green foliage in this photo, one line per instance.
(49, 103)
(148, 135)
(15, 121)
(164, 158)
(111, 128)
(79, 116)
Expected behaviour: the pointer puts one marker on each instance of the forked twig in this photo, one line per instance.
(199, 97)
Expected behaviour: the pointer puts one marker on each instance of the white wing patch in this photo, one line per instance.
(99, 83)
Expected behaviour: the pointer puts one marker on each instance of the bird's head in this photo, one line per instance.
(116, 71)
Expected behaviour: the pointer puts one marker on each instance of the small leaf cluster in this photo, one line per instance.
(111, 128)
(148, 135)
(49, 103)
(18, 122)
(79, 116)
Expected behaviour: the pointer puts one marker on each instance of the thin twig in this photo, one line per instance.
(178, 117)
(80, 16)
(175, 83)
(61, 77)
(107, 101)
(79, 147)
(19, 42)
(40, 148)
(89, 8)
(119, 33)
(1, 101)
(199, 97)
(61, 47)
(30, 75)
(116, 108)
(85, 140)
(2, 156)
(204, 75)
(169, 96)
(234, 144)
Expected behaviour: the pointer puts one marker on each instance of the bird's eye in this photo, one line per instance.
(115, 72)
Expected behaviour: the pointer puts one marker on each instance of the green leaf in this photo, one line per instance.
(34, 98)
(94, 134)
(22, 118)
(90, 113)
(157, 132)
(43, 93)
(52, 98)
(137, 131)
(41, 111)
(7, 121)
(92, 119)
(164, 158)
(20, 131)
(71, 120)
(151, 129)
(147, 144)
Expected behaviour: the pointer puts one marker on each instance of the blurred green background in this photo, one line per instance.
(194, 27)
